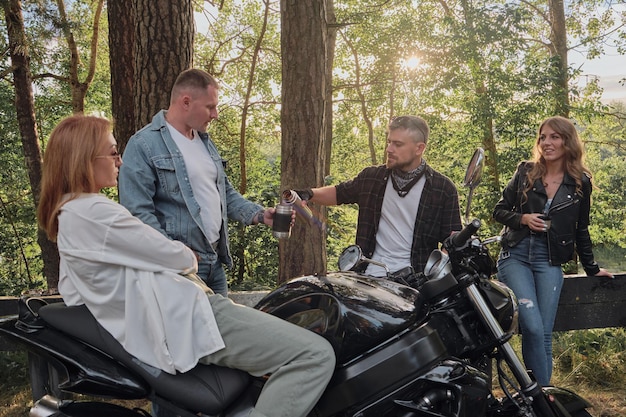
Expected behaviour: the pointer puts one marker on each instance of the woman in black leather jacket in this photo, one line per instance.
(545, 210)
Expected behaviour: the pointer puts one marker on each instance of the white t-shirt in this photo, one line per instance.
(203, 179)
(394, 237)
(128, 276)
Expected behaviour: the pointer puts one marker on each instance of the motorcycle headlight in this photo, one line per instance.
(439, 276)
(437, 265)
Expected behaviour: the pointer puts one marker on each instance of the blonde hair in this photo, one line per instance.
(68, 165)
(574, 153)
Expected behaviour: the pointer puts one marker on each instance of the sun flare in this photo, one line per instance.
(411, 63)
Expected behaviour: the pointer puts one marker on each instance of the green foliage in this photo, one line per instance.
(255, 247)
(20, 265)
(227, 53)
(341, 232)
(606, 157)
(483, 71)
(14, 371)
(596, 358)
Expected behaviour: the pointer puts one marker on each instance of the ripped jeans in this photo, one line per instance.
(526, 270)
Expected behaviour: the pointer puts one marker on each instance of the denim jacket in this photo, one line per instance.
(154, 186)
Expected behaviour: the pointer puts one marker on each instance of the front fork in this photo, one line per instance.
(537, 400)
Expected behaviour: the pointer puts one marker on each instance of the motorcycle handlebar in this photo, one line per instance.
(459, 239)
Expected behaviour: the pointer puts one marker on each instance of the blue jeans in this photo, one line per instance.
(214, 276)
(526, 270)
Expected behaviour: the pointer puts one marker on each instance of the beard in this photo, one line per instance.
(404, 166)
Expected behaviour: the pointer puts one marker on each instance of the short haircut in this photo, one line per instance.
(192, 80)
(415, 125)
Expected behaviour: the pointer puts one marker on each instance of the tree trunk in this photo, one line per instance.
(363, 101)
(332, 40)
(243, 185)
(558, 37)
(79, 88)
(482, 107)
(121, 61)
(164, 35)
(304, 48)
(25, 109)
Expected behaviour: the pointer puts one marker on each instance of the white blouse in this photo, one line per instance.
(128, 276)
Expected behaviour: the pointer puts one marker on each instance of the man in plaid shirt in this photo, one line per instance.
(406, 208)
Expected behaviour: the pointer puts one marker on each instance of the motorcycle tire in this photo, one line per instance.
(97, 409)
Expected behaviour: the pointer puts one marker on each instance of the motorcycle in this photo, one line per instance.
(408, 345)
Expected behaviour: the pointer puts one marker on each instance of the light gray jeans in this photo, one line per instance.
(300, 362)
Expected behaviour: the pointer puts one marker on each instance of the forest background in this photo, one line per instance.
(483, 73)
(307, 89)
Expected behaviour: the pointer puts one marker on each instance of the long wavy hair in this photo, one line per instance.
(68, 165)
(574, 153)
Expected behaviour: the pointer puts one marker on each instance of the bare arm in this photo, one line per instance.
(325, 196)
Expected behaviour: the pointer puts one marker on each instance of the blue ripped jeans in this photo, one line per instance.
(537, 285)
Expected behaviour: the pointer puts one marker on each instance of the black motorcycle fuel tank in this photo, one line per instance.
(353, 312)
(376, 327)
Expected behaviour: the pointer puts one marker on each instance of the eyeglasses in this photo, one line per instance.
(116, 156)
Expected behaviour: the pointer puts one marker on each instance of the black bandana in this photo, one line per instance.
(404, 181)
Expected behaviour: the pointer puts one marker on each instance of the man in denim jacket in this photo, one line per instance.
(173, 178)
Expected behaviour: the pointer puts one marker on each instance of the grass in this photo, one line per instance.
(14, 392)
(592, 363)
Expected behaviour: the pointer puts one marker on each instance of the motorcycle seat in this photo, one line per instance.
(207, 389)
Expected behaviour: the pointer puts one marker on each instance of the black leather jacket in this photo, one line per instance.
(569, 213)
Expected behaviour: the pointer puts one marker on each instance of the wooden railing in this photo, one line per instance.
(592, 303)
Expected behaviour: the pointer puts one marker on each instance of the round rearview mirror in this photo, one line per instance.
(472, 177)
(350, 257)
(475, 169)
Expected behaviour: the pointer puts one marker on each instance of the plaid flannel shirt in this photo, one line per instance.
(437, 217)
